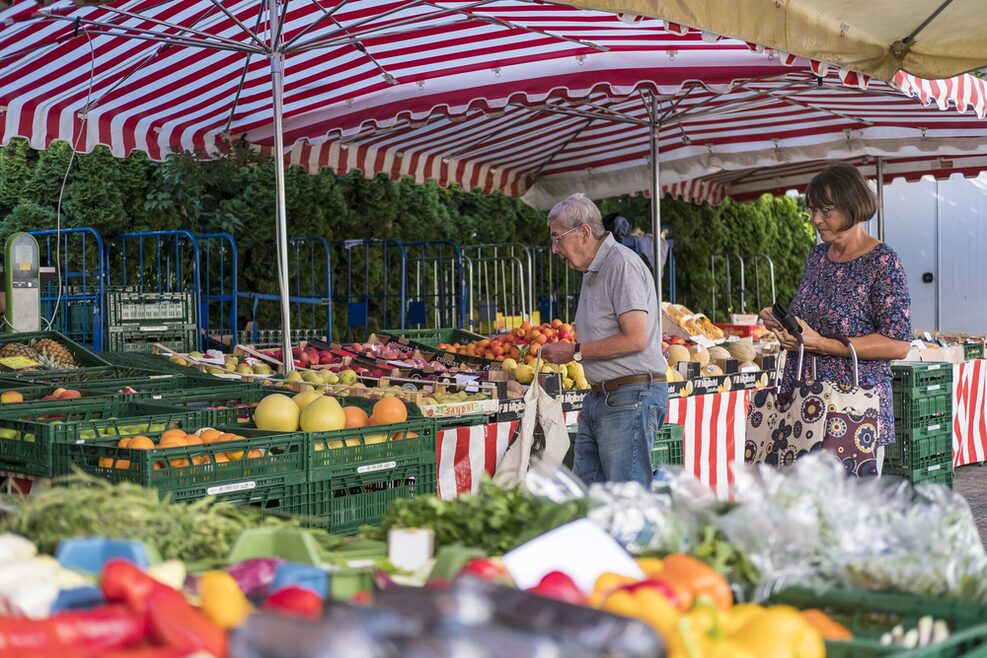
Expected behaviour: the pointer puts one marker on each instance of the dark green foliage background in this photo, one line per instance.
(235, 195)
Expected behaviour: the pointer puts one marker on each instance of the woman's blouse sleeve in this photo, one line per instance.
(890, 301)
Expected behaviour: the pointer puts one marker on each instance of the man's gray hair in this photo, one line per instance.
(575, 210)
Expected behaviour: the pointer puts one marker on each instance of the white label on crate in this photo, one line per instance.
(373, 468)
(160, 376)
(933, 428)
(229, 488)
(156, 396)
(933, 367)
(703, 341)
(927, 336)
(160, 327)
(934, 388)
(935, 468)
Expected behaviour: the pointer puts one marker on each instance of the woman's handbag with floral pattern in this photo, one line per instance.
(842, 419)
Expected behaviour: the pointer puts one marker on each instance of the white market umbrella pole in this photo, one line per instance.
(880, 198)
(277, 84)
(656, 202)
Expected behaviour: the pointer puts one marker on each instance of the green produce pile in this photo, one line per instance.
(493, 519)
(81, 505)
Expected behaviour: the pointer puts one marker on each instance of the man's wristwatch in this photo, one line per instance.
(577, 355)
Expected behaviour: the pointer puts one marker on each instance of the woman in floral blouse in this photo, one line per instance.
(853, 286)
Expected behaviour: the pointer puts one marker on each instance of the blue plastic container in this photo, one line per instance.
(303, 575)
(89, 554)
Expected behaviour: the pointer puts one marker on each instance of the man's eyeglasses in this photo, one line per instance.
(557, 239)
(811, 212)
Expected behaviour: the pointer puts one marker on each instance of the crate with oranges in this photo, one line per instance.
(214, 461)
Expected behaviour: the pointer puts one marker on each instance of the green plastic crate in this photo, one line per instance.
(345, 501)
(868, 615)
(125, 308)
(46, 427)
(224, 400)
(356, 450)
(430, 339)
(920, 469)
(157, 362)
(916, 375)
(198, 471)
(178, 338)
(973, 351)
(83, 357)
(906, 451)
(668, 447)
(923, 410)
(100, 375)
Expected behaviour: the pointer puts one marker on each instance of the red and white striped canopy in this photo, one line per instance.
(523, 97)
(553, 145)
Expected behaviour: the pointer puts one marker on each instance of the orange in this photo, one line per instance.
(254, 454)
(221, 457)
(388, 411)
(140, 443)
(158, 466)
(122, 463)
(173, 442)
(124, 443)
(193, 440)
(106, 462)
(173, 433)
(355, 417)
(201, 459)
(209, 435)
(236, 454)
(179, 463)
(397, 436)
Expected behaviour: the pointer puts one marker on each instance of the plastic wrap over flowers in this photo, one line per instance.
(811, 525)
(664, 520)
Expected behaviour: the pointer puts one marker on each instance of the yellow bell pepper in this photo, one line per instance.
(647, 605)
(221, 599)
(699, 635)
(780, 632)
(649, 565)
(606, 584)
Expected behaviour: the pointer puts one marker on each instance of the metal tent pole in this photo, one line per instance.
(277, 84)
(880, 198)
(656, 202)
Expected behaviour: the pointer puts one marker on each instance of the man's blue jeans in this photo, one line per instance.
(617, 431)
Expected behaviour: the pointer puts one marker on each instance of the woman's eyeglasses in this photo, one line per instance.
(557, 239)
(811, 212)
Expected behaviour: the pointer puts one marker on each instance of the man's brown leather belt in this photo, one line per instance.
(613, 384)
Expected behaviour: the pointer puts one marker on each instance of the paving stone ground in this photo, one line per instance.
(971, 481)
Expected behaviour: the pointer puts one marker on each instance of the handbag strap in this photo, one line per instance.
(853, 355)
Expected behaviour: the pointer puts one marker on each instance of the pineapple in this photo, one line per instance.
(54, 355)
(20, 349)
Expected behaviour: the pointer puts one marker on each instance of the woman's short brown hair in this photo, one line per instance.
(842, 186)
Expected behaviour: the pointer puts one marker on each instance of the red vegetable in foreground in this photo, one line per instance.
(126, 583)
(91, 632)
(174, 623)
(295, 600)
(559, 586)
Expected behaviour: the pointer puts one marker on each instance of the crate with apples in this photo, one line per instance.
(521, 344)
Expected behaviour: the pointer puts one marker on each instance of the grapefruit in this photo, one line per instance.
(277, 413)
(388, 411)
(306, 398)
(324, 415)
(356, 417)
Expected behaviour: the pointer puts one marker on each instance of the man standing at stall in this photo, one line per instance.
(620, 347)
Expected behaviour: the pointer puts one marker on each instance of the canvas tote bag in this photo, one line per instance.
(842, 419)
(542, 417)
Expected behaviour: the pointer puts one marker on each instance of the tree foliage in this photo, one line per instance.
(235, 195)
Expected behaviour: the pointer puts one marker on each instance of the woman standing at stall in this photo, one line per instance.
(854, 287)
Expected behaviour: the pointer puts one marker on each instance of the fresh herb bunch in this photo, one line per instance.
(493, 519)
(81, 505)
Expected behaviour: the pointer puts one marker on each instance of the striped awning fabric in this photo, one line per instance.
(523, 97)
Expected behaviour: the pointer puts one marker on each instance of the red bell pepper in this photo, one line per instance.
(176, 624)
(485, 569)
(93, 631)
(559, 586)
(295, 600)
(126, 583)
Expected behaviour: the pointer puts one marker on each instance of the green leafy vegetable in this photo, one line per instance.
(493, 519)
(81, 505)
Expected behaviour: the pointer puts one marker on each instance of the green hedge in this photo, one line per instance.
(235, 195)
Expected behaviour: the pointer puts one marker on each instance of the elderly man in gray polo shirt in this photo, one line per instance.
(620, 347)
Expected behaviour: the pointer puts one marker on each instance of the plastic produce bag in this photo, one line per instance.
(542, 413)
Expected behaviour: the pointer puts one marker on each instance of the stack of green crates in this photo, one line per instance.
(668, 448)
(923, 413)
(137, 319)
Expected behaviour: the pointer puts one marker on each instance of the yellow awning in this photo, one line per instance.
(928, 38)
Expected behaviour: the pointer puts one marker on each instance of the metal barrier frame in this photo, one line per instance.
(171, 278)
(350, 297)
(453, 289)
(297, 298)
(221, 297)
(478, 267)
(62, 296)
